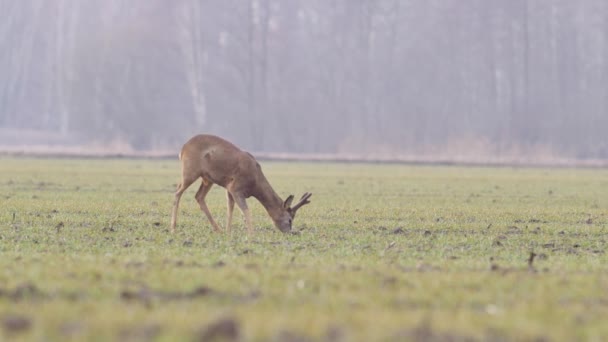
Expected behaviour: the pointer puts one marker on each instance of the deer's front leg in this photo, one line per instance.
(240, 201)
(186, 182)
(230, 211)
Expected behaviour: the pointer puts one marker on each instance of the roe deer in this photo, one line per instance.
(217, 161)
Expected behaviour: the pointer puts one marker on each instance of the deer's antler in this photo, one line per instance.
(304, 200)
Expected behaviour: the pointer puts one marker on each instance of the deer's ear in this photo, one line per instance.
(287, 202)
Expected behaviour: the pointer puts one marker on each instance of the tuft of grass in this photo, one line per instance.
(384, 252)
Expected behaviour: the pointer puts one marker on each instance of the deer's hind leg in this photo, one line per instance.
(200, 198)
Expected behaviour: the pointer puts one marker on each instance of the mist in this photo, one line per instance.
(386, 78)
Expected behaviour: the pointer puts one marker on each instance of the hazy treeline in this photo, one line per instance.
(310, 76)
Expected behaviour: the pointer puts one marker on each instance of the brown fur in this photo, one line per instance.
(217, 161)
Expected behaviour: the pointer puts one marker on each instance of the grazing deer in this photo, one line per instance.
(217, 161)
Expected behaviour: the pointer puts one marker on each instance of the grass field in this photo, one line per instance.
(384, 252)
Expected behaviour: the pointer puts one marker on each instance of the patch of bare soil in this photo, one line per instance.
(29, 291)
(225, 329)
(16, 323)
(146, 295)
(425, 333)
(22, 292)
(574, 249)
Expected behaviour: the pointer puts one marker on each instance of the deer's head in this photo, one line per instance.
(285, 219)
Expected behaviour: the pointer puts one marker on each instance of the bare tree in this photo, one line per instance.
(381, 76)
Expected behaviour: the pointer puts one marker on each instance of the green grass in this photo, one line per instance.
(384, 252)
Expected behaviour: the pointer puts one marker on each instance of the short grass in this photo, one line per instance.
(384, 252)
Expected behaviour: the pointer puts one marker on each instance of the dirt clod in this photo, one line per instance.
(219, 264)
(425, 332)
(200, 291)
(226, 329)
(16, 323)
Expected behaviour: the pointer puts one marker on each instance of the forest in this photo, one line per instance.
(385, 77)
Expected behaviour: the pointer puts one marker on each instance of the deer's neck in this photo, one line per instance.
(269, 199)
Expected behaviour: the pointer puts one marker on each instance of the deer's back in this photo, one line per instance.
(216, 159)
